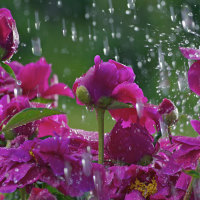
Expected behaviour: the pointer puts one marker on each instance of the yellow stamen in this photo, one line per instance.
(32, 154)
(146, 189)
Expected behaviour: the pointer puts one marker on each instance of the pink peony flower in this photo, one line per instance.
(50, 160)
(129, 145)
(103, 80)
(34, 81)
(9, 37)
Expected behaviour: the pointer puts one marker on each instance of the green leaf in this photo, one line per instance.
(29, 115)
(58, 194)
(193, 173)
(42, 100)
(119, 105)
(8, 69)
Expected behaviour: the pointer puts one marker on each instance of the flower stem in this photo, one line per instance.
(170, 134)
(23, 193)
(157, 137)
(189, 189)
(100, 121)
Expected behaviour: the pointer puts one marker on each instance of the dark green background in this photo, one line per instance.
(142, 33)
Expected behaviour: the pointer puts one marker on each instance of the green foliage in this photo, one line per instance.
(42, 100)
(28, 115)
(58, 194)
(8, 69)
(193, 173)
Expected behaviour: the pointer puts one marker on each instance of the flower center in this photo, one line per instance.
(33, 155)
(146, 189)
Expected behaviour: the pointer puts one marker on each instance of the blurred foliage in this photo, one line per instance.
(145, 34)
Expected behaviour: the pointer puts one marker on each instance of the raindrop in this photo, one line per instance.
(64, 30)
(37, 21)
(16, 170)
(111, 9)
(36, 46)
(59, 4)
(67, 170)
(74, 33)
(106, 48)
(139, 108)
(86, 163)
(19, 82)
(131, 4)
(29, 26)
(187, 18)
(164, 128)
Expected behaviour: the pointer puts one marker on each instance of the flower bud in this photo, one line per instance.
(83, 94)
(169, 112)
(9, 37)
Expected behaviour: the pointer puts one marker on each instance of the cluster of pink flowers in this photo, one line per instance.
(48, 153)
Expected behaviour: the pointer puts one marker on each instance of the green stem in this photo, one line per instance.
(157, 137)
(170, 134)
(23, 193)
(189, 189)
(100, 121)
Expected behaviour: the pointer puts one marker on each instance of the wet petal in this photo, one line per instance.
(189, 53)
(60, 89)
(129, 93)
(194, 77)
(196, 125)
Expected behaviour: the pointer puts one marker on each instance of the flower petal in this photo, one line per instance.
(60, 89)
(194, 77)
(189, 53)
(196, 125)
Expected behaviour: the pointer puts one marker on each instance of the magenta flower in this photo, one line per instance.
(196, 125)
(55, 125)
(138, 182)
(34, 81)
(50, 161)
(194, 71)
(9, 37)
(147, 115)
(193, 76)
(130, 144)
(12, 107)
(90, 86)
(41, 194)
(185, 155)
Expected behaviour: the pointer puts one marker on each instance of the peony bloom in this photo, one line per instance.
(50, 161)
(34, 81)
(185, 155)
(141, 182)
(103, 81)
(9, 37)
(143, 113)
(129, 145)
(41, 194)
(55, 125)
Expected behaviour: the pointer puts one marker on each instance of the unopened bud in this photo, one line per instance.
(169, 112)
(171, 118)
(83, 94)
